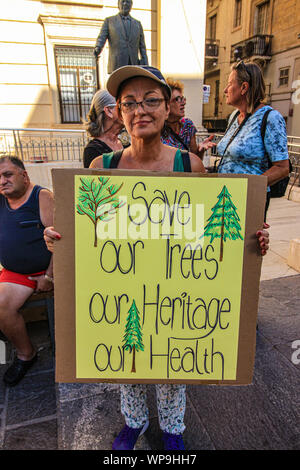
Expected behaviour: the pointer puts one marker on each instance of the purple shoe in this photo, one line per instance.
(127, 438)
(173, 441)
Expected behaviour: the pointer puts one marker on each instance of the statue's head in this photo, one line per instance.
(125, 6)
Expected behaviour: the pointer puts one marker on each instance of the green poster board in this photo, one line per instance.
(158, 265)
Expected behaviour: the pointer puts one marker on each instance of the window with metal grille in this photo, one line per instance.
(284, 76)
(77, 81)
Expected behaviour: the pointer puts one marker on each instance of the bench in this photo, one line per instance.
(43, 299)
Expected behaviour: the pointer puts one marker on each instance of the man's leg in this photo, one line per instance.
(12, 324)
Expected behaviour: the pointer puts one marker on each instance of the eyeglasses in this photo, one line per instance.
(180, 99)
(148, 104)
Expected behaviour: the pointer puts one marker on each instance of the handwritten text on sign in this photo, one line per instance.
(158, 276)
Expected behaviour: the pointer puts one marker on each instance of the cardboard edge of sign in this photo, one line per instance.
(64, 275)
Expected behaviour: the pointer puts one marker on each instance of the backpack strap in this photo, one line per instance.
(186, 161)
(263, 132)
(264, 123)
(115, 158)
(114, 162)
(110, 160)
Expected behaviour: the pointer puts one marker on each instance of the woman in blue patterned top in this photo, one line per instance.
(242, 149)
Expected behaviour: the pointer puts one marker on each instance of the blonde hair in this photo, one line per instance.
(175, 84)
(251, 73)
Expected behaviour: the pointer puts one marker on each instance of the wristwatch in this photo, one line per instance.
(50, 279)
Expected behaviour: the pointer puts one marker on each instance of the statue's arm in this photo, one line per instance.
(143, 52)
(102, 38)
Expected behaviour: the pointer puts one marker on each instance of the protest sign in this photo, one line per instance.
(156, 276)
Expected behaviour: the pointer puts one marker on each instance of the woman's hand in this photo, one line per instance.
(50, 235)
(263, 239)
(206, 144)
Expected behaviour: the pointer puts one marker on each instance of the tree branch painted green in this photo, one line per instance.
(97, 199)
(133, 337)
(224, 221)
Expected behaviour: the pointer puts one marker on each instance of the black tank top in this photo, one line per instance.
(22, 246)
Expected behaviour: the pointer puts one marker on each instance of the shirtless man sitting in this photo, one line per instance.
(25, 209)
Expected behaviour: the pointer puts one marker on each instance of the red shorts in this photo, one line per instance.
(16, 278)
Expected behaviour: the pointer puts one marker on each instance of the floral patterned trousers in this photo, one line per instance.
(171, 402)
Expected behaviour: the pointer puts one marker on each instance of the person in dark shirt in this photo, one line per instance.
(104, 126)
(26, 264)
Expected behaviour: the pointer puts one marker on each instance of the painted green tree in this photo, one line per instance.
(133, 337)
(224, 221)
(97, 199)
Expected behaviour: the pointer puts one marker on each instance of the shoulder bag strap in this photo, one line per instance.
(177, 137)
(234, 135)
(232, 121)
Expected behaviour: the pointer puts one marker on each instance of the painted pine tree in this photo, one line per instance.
(133, 337)
(97, 199)
(224, 221)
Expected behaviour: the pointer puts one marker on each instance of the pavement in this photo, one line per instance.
(39, 414)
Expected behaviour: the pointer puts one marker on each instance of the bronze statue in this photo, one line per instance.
(125, 36)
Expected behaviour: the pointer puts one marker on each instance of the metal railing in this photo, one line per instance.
(258, 45)
(57, 145)
(43, 145)
(294, 154)
(212, 48)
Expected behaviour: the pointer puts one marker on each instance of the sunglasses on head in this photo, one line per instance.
(241, 65)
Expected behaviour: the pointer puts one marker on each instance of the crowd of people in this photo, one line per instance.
(152, 110)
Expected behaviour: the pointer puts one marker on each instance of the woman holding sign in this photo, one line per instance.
(143, 98)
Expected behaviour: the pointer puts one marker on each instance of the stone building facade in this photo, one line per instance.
(48, 72)
(266, 31)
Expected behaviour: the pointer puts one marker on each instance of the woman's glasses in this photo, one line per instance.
(180, 99)
(148, 104)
